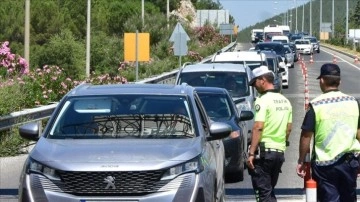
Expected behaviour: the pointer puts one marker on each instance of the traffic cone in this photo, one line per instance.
(356, 60)
(311, 191)
(334, 59)
(311, 59)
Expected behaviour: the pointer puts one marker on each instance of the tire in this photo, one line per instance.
(318, 51)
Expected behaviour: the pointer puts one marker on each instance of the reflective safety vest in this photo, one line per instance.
(275, 111)
(337, 117)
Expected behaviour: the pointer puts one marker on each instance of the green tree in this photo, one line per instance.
(65, 51)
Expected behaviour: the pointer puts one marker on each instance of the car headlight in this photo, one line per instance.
(243, 106)
(194, 165)
(36, 167)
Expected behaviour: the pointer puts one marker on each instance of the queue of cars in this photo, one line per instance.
(151, 142)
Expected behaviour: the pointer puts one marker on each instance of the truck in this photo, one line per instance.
(272, 30)
(253, 34)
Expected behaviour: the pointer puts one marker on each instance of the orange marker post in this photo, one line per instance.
(311, 191)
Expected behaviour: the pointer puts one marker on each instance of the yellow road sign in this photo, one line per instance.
(143, 44)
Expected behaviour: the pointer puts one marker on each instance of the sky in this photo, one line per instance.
(250, 12)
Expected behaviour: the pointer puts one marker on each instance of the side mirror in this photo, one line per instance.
(219, 130)
(30, 131)
(246, 115)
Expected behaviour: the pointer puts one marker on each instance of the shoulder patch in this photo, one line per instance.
(257, 107)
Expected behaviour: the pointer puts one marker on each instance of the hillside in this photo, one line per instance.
(339, 18)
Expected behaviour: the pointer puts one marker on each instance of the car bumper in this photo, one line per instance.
(304, 51)
(186, 187)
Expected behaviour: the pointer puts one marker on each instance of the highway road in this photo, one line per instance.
(290, 186)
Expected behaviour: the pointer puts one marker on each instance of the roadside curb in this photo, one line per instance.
(340, 51)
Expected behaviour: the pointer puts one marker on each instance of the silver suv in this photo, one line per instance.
(233, 77)
(130, 142)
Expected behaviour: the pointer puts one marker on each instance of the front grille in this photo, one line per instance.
(89, 183)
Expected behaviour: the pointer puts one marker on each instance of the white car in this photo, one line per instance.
(285, 74)
(304, 46)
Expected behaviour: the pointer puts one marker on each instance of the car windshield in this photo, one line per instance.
(216, 106)
(235, 82)
(281, 41)
(123, 116)
(278, 48)
(312, 40)
(302, 42)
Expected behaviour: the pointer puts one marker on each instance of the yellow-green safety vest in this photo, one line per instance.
(275, 111)
(336, 117)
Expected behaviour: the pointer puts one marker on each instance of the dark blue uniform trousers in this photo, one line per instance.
(265, 175)
(337, 182)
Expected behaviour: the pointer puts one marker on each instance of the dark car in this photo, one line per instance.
(295, 36)
(220, 107)
(273, 64)
(137, 142)
(271, 46)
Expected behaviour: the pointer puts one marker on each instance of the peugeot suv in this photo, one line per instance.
(129, 142)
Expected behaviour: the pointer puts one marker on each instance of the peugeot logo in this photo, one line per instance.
(110, 180)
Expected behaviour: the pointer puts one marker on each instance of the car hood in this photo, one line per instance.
(115, 154)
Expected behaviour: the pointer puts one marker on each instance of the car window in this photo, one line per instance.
(125, 116)
(236, 83)
(271, 64)
(217, 106)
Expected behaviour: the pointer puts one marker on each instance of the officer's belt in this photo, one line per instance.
(273, 150)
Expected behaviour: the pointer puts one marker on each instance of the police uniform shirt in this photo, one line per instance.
(310, 120)
(275, 111)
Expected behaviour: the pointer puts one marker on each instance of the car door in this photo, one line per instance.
(214, 152)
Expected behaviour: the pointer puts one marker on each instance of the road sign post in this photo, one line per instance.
(132, 42)
(179, 37)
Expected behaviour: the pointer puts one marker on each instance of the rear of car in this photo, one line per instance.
(315, 43)
(304, 46)
(130, 142)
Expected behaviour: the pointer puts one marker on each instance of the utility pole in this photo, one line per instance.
(27, 32)
(142, 12)
(347, 21)
(320, 22)
(296, 18)
(310, 18)
(333, 21)
(88, 39)
(167, 12)
(302, 23)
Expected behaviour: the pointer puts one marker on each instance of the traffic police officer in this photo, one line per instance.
(334, 120)
(271, 130)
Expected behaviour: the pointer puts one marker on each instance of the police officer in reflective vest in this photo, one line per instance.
(333, 119)
(271, 130)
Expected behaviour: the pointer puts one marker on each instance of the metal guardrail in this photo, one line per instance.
(44, 112)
